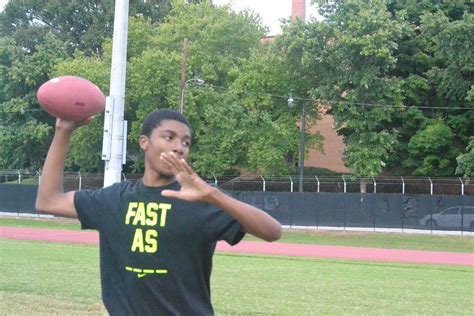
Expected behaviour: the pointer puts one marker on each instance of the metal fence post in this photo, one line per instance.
(39, 177)
(317, 179)
(403, 192)
(462, 186)
(431, 186)
(19, 176)
(215, 181)
(375, 185)
(263, 183)
(345, 186)
(291, 184)
(80, 181)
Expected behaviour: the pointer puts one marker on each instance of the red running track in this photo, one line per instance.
(275, 249)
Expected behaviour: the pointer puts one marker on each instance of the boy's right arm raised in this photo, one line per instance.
(51, 198)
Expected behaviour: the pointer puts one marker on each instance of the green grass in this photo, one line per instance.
(62, 224)
(252, 286)
(46, 278)
(404, 241)
(333, 238)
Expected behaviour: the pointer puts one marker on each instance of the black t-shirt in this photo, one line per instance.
(155, 252)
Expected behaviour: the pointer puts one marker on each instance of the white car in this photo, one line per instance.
(450, 218)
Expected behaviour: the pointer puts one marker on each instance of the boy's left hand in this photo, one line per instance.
(193, 188)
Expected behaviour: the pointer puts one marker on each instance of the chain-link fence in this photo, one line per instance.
(342, 184)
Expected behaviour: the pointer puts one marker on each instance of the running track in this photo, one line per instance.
(275, 249)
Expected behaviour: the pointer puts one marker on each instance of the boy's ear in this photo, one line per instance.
(143, 142)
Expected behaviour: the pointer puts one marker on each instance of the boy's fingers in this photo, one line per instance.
(189, 170)
(185, 166)
(178, 165)
(169, 161)
(170, 193)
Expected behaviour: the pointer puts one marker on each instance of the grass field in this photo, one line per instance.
(40, 278)
(47, 278)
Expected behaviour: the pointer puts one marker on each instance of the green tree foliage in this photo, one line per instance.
(35, 35)
(436, 63)
(271, 74)
(24, 127)
(231, 127)
(397, 76)
(349, 57)
(425, 148)
(80, 24)
(466, 161)
(391, 71)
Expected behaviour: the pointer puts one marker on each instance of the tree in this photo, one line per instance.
(465, 161)
(231, 129)
(268, 77)
(218, 42)
(389, 70)
(35, 35)
(435, 63)
(350, 57)
(395, 74)
(80, 24)
(24, 128)
(425, 147)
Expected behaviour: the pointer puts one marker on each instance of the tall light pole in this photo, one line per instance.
(198, 81)
(291, 103)
(115, 127)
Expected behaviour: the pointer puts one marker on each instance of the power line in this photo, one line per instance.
(361, 104)
(396, 106)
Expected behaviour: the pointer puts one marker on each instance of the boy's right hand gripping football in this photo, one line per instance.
(70, 126)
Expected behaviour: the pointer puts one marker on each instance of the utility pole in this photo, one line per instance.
(115, 128)
(303, 128)
(182, 84)
(291, 103)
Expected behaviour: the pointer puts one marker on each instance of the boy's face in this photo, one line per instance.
(169, 137)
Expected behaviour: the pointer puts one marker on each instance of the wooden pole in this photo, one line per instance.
(182, 84)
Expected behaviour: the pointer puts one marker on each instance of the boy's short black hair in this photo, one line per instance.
(154, 119)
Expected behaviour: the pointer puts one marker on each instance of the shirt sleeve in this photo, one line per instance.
(89, 204)
(225, 227)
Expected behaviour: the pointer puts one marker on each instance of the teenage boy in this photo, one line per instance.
(157, 236)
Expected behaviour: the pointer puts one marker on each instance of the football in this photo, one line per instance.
(71, 98)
